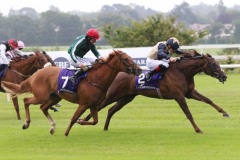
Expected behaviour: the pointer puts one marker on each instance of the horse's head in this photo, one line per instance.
(213, 69)
(127, 64)
(42, 60)
(49, 58)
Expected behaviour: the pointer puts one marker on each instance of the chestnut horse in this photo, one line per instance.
(178, 83)
(20, 69)
(90, 92)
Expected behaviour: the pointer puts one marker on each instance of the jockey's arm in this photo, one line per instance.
(3, 58)
(20, 53)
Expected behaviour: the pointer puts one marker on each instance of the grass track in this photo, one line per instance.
(145, 129)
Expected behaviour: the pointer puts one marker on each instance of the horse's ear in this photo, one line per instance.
(209, 55)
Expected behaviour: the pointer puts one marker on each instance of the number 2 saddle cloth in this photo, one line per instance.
(142, 83)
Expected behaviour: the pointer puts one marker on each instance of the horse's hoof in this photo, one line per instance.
(52, 131)
(79, 121)
(225, 115)
(199, 131)
(24, 126)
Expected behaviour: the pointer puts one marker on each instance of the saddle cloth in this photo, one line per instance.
(66, 85)
(142, 83)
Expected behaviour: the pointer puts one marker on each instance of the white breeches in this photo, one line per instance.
(152, 64)
(84, 61)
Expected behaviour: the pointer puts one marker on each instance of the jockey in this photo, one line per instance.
(16, 52)
(5, 49)
(160, 55)
(79, 48)
(21, 45)
(19, 52)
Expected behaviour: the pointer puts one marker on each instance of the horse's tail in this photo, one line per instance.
(14, 88)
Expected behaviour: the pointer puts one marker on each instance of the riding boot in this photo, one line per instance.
(150, 74)
(75, 76)
(163, 68)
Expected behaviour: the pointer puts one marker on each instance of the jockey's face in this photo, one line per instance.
(11, 48)
(92, 40)
(170, 50)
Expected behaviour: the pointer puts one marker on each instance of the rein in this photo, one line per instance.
(26, 76)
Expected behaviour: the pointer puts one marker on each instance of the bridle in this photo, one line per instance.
(208, 63)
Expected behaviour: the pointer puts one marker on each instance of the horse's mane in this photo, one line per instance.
(107, 59)
(18, 60)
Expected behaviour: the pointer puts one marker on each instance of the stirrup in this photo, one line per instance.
(72, 79)
(148, 77)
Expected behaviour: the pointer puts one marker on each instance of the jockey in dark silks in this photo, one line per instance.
(160, 55)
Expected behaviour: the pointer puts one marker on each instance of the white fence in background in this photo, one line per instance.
(139, 54)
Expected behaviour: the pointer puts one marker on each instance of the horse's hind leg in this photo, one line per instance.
(16, 106)
(197, 96)
(119, 105)
(94, 113)
(27, 102)
(104, 104)
(81, 109)
(183, 104)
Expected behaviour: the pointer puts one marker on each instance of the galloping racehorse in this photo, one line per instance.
(21, 69)
(177, 83)
(89, 94)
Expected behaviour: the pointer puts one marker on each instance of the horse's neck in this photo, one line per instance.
(24, 66)
(191, 67)
(104, 74)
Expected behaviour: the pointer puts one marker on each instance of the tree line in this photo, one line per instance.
(120, 25)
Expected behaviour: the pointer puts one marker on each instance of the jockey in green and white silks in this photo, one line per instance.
(79, 49)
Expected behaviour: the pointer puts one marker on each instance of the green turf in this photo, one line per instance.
(145, 129)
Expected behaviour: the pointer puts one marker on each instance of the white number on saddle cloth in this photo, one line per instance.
(65, 78)
(141, 78)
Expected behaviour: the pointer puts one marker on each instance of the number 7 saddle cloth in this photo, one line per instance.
(64, 84)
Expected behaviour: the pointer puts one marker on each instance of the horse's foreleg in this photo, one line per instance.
(119, 105)
(16, 105)
(94, 113)
(104, 104)
(54, 99)
(44, 107)
(197, 96)
(81, 109)
(183, 104)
